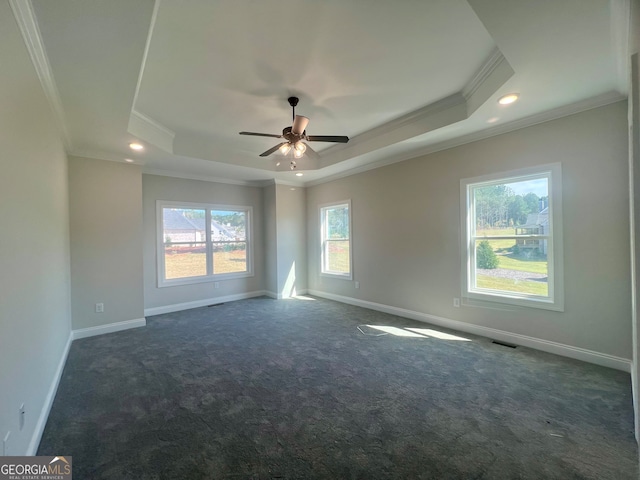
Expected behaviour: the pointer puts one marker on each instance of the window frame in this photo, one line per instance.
(555, 257)
(323, 255)
(210, 276)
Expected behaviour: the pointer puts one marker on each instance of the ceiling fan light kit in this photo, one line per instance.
(294, 136)
(285, 149)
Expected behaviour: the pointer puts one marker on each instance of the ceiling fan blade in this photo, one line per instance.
(327, 138)
(261, 134)
(299, 124)
(271, 150)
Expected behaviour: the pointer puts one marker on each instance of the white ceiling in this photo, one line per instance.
(399, 78)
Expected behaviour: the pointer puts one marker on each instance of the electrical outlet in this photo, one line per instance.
(357, 284)
(216, 284)
(21, 416)
(99, 307)
(456, 302)
(5, 445)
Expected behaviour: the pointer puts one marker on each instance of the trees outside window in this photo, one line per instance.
(335, 239)
(513, 237)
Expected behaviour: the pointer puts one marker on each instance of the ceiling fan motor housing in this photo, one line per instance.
(291, 137)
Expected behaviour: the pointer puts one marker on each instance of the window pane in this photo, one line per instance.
(337, 222)
(513, 237)
(183, 225)
(181, 261)
(337, 256)
(228, 225)
(512, 265)
(500, 208)
(229, 257)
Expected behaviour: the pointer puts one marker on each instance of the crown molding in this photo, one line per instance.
(98, 155)
(26, 20)
(403, 121)
(431, 117)
(491, 63)
(146, 128)
(109, 157)
(205, 178)
(621, 19)
(268, 182)
(154, 17)
(287, 183)
(494, 72)
(553, 114)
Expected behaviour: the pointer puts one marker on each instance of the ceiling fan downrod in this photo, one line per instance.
(293, 101)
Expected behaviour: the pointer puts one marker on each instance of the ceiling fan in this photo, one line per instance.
(294, 135)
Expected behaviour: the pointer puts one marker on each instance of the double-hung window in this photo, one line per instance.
(202, 242)
(512, 238)
(335, 232)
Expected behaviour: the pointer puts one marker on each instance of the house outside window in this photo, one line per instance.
(189, 252)
(335, 228)
(512, 238)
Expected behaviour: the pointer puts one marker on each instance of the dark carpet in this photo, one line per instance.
(292, 389)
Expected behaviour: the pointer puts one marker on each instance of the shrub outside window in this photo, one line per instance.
(512, 232)
(189, 252)
(335, 234)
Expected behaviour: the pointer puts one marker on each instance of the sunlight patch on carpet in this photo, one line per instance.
(441, 335)
(380, 330)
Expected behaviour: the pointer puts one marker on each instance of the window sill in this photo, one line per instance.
(208, 279)
(342, 276)
(515, 300)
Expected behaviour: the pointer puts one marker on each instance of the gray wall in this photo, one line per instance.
(634, 204)
(35, 319)
(406, 230)
(292, 240)
(270, 240)
(156, 187)
(105, 208)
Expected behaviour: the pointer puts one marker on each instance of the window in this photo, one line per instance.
(189, 252)
(336, 239)
(513, 238)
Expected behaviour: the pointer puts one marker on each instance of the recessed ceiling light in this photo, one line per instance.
(292, 189)
(128, 160)
(508, 98)
(136, 146)
(493, 119)
(299, 174)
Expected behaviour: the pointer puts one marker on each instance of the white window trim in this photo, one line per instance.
(330, 274)
(555, 256)
(163, 282)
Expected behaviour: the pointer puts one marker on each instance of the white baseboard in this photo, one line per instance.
(577, 353)
(32, 449)
(304, 291)
(280, 296)
(148, 312)
(635, 396)
(109, 328)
